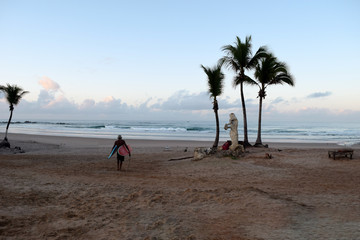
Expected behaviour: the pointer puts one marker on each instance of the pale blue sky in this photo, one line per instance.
(131, 59)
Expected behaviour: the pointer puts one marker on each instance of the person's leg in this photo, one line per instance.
(122, 158)
(121, 164)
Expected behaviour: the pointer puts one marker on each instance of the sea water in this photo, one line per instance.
(340, 133)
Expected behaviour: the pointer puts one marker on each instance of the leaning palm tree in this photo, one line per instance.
(239, 58)
(215, 82)
(268, 72)
(13, 94)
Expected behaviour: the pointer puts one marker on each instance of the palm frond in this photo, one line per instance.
(283, 78)
(238, 79)
(215, 80)
(249, 80)
(239, 57)
(261, 53)
(229, 63)
(270, 71)
(13, 93)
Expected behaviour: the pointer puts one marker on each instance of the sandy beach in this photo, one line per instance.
(66, 188)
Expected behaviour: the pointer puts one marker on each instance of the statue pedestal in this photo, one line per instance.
(236, 153)
(234, 146)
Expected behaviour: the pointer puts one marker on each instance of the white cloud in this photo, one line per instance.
(182, 105)
(87, 104)
(183, 100)
(51, 98)
(186, 101)
(109, 99)
(49, 84)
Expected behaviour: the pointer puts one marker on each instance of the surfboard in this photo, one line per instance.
(112, 152)
(123, 151)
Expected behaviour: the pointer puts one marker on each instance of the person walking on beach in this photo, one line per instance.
(118, 143)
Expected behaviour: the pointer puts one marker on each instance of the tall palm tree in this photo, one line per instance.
(215, 82)
(268, 72)
(13, 94)
(239, 58)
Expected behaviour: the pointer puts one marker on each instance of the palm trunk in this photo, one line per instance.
(258, 140)
(246, 140)
(216, 108)
(7, 126)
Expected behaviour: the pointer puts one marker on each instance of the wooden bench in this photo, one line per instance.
(341, 153)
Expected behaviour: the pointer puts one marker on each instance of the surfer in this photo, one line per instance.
(118, 143)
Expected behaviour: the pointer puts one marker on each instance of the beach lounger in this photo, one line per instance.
(346, 152)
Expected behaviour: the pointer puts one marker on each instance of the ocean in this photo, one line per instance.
(339, 133)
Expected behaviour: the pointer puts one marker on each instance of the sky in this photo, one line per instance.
(140, 60)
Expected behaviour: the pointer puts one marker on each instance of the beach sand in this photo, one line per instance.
(66, 188)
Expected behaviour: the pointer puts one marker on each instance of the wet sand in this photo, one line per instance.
(66, 188)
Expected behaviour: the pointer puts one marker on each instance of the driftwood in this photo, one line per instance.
(177, 159)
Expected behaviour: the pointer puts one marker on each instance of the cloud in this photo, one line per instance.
(52, 104)
(49, 84)
(319, 94)
(51, 96)
(181, 105)
(278, 100)
(87, 104)
(185, 101)
(109, 99)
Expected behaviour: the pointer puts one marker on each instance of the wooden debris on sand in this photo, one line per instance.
(345, 152)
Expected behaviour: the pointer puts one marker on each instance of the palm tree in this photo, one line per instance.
(215, 82)
(13, 94)
(239, 58)
(268, 72)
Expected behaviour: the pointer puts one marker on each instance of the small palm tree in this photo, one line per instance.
(13, 94)
(268, 72)
(215, 82)
(239, 58)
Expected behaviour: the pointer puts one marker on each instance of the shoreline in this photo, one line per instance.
(284, 132)
(53, 145)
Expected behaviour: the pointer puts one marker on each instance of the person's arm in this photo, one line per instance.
(128, 149)
(113, 147)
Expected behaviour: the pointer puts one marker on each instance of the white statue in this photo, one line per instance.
(233, 125)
